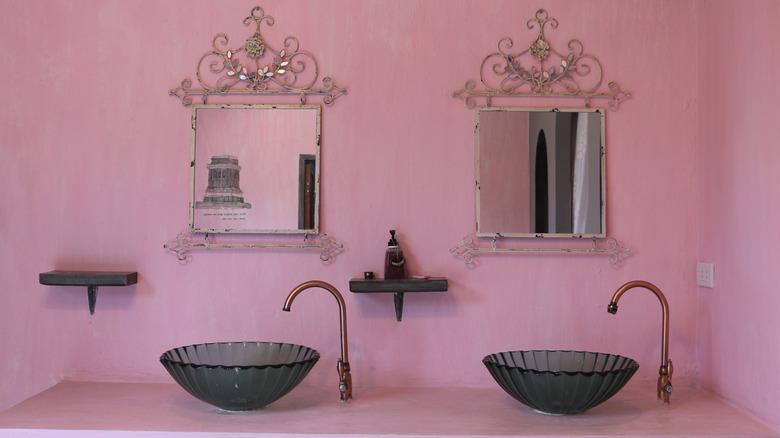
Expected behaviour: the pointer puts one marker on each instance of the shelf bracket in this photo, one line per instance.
(92, 298)
(398, 300)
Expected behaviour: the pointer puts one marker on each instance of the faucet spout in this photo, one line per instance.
(342, 366)
(664, 387)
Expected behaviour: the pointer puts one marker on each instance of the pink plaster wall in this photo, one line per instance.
(95, 166)
(42, 130)
(739, 323)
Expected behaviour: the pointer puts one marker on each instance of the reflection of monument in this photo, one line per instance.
(223, 190)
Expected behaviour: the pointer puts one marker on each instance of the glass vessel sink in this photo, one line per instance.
(560, 382)
(239, 376)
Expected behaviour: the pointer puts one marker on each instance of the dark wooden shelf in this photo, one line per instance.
(398, 287)
(381, 285)
(90, 279)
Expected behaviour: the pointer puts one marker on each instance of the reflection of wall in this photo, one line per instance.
(561, 165)
(586, 192)
(504, 183)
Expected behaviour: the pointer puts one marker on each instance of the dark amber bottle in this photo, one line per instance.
(395, 263)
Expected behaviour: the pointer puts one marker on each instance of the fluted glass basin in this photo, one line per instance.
(560, 382)
(239, 376)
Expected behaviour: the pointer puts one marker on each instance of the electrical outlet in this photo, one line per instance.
(705, 274)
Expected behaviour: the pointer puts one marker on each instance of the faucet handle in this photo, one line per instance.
(665, 387)
(345, 380)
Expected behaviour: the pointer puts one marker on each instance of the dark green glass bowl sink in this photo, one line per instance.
(560, 382)
(239, 376)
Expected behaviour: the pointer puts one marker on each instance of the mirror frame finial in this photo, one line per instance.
(242, 70)
(551, 73)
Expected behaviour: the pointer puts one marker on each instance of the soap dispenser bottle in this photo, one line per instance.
(395, 263)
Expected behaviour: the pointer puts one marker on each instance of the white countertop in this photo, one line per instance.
(81, 409)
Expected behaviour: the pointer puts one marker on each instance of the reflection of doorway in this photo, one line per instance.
(541, 190)
(306, 195)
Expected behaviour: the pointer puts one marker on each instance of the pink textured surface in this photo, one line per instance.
(72, 408)
(95, 175)
(111, 150)
(504, 172)
(740, 203)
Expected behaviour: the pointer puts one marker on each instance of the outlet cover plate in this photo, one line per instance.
(705, 274)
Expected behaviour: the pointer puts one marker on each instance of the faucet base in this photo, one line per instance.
(345, 380)
(665, 387)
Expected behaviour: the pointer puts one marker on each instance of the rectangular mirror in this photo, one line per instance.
(540, 172)
(255, 169)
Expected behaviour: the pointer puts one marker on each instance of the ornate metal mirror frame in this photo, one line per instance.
(540, 71)
(256, 69)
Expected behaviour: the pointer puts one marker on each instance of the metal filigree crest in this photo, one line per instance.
(185, 243)
(469, 248)
(257, 68)
(541, 71)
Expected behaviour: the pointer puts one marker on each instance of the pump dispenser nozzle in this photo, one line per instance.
(392, 241)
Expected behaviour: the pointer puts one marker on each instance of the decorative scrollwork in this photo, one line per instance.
(541, 71)
(469, 248)
(329, 248)
(257, 68)
(181, 246)
(617, 251)
(466, 249)
(185, 243)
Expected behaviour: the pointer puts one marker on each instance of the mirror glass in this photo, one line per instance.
(255, 169)
(540, 172)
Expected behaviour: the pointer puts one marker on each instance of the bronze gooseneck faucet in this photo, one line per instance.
(342, 366)
(664, 389)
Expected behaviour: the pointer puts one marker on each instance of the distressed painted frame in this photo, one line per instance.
(281, 107)
(602, 234)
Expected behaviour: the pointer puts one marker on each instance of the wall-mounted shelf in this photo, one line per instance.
(398, 287)
(90, 279)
